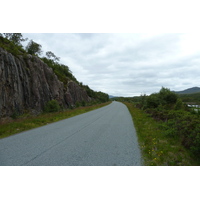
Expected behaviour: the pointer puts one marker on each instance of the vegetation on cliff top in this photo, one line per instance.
(11, 46)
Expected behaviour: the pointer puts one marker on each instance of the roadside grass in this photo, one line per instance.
(27, 122)
(158, 149)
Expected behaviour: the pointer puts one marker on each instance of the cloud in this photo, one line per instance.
(127, 64)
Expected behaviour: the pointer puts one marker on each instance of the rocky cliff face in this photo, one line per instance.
(27, 84)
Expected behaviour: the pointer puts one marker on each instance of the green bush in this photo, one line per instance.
(153, 101)
(167, 97)
(83, 103)
(11, 47)
(78, 104)
(52, 106)
(176, 120)
(183, 126)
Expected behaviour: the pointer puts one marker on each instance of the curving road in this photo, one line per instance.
(103, 137)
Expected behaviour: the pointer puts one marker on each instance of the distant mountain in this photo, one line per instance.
(110, 96)
(189, 90)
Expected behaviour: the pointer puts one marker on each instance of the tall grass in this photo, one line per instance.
(23, 123)
(158, 149)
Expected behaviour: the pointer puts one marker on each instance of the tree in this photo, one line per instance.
(50, 55)
(34, 48)
(16, 38)
(153, 101)
(7, 35)
(167, 96)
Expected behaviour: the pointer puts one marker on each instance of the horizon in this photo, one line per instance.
(154, 92)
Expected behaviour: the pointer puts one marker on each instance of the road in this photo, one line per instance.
(102, 137)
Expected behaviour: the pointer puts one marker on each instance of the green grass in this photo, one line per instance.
(158, 149)
(26, 122)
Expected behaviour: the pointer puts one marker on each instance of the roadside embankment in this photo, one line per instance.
(158, 149)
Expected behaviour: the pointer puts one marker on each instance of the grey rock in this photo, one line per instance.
(27, 84)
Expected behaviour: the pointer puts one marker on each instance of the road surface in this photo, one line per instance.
(102, 137)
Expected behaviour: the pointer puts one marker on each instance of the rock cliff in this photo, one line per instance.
(27, 84)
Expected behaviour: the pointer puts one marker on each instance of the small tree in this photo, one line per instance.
(50, 55)
(34, 48)
(167, 96)
(16, 38)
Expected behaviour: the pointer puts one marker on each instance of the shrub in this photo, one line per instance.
(167, 96)
(153, 101)
(184, 126)
(78, 104)
(177, 121)
(164, 98)
(83, 103)
(11, 47)
(52, 106)
(179, 105)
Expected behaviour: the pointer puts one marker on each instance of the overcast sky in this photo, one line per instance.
(127, 64)
(114, 62)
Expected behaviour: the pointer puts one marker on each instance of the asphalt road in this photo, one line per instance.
(103, 137)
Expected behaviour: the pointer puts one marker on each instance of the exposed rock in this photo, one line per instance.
(27, 84)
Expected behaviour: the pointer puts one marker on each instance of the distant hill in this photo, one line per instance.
(110, 96)
(189, 91)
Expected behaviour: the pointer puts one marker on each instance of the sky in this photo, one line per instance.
(127, 64)
(123, 48)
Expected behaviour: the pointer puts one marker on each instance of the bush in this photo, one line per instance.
(167, 96)
(184, 126)
(11, 47)
(52, 106)
(78, 104)
(176, 120)
(153, 101)
(164, 98)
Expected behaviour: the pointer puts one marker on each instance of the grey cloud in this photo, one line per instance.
(125, 64)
